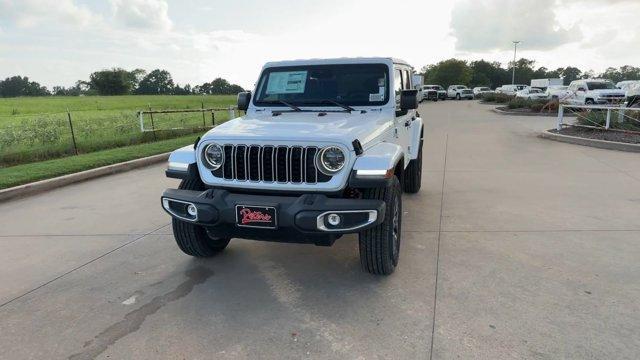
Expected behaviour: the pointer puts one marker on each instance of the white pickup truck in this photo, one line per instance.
(459, 92)
(594, 91)
(326, 148)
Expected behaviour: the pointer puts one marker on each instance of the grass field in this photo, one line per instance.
(37, 129)
(22, 174)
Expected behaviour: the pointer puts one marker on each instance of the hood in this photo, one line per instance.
(341, 127)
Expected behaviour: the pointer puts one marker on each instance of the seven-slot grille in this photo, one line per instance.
(270, 163)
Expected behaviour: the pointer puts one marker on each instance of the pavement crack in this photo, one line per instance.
(435, 292)
(79, 267)
(133, 320)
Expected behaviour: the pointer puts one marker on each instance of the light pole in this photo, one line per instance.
(513, 75)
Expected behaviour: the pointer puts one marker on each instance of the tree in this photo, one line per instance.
(625, 72)
(21, 86)
(570, 73)
(114, 81)
(157, 82)
(489, 74)
(219, 86)
(448, 72)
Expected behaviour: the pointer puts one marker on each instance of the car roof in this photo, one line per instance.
(343, 60)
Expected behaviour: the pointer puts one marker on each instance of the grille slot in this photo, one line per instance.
(269, 163)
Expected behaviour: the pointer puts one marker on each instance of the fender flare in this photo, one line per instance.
(417, 135)
(182, 164)
(376, 166)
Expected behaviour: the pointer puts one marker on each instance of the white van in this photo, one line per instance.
(511, 90)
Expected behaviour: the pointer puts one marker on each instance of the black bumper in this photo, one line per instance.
(296, 219)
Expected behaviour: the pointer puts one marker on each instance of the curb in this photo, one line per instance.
(49, 184)
(602, 144)
(518, 113)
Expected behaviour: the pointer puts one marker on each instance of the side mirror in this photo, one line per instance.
(244, 98)
(408, 100)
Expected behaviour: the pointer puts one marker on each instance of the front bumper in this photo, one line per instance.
(299, 219)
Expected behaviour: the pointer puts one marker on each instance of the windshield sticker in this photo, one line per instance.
(286, 82)
(376, 97)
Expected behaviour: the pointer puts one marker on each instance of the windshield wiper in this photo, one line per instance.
(346, 107)
(295, 108)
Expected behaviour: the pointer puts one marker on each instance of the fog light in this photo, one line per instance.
(333, 219)
(191, 209)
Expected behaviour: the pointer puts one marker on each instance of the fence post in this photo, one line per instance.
(621, 114)
(213, 118)
(73, 134)
(141, 116)
(560, 116)
(232, 112)
(608, 123)
(153, 126)
(204, 122)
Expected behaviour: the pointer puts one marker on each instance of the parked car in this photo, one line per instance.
(511, 90)
(626, 84)
(531, 94)
(479, 90)
(433, 92)
(557, 92)
(459, 92)
(326, 147)
(633, 95)
(594, 91)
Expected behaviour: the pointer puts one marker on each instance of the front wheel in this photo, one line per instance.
(458, 97)
(380, 245)
(193, 239)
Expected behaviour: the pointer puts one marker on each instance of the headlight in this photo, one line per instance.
(331, 160)
(213, 156)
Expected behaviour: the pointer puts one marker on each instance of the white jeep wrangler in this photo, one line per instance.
(326, 148)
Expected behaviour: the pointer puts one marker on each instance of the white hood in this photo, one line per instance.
(341, 127)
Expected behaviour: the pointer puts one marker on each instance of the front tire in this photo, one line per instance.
(193, 239)
(380, 245)
(458, 97)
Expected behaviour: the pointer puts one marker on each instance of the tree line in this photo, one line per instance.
(493, 74)
(118, 81)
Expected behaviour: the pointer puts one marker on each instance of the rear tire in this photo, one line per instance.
(413, 174)
(380, 245)
(193, 239)
(589, 102)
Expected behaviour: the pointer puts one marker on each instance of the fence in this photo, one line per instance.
(611, 118)
(29, 138)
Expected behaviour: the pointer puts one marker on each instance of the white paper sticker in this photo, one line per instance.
(286, 82)
(376, 97)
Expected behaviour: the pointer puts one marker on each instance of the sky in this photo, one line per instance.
(57, 42)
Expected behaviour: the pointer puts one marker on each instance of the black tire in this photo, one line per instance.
(380, 245)
(413, 174)
(589, 102)
(458, 97)
(193, 239)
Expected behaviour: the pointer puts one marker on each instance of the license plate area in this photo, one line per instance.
(265, 217)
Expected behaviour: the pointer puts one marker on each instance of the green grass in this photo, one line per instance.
(37, 129)
(22, 174)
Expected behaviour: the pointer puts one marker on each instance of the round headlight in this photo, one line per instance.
(331, 160)
(213, 156)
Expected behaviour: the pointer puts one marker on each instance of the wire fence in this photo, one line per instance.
(602, 117)
(31, 138)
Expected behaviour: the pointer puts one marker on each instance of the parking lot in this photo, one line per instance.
(516, 247)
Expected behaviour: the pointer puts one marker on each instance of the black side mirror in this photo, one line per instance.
(244, 98)
(408, 100)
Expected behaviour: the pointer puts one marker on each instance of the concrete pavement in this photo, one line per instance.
(516, 247)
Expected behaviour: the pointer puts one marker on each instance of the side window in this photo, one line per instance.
(406, 80)
(397, 85)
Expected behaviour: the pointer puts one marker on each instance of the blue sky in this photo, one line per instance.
(57, 42)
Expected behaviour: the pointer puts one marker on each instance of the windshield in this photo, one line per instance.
(348, 84)
(485, 89)
(600, 85)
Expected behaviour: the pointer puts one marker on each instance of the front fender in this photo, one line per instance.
(182, 163)
(375, 168)
(416, 137)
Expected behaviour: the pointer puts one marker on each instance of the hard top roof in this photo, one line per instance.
(344, 60)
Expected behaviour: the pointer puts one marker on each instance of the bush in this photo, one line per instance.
(495, 98)
(598, 118)
(533, 105)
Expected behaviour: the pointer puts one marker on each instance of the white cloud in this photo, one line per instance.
(482, 25)
(32, 13)
(142, 14)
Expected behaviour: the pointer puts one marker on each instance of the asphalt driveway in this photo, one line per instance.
(516, 247)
